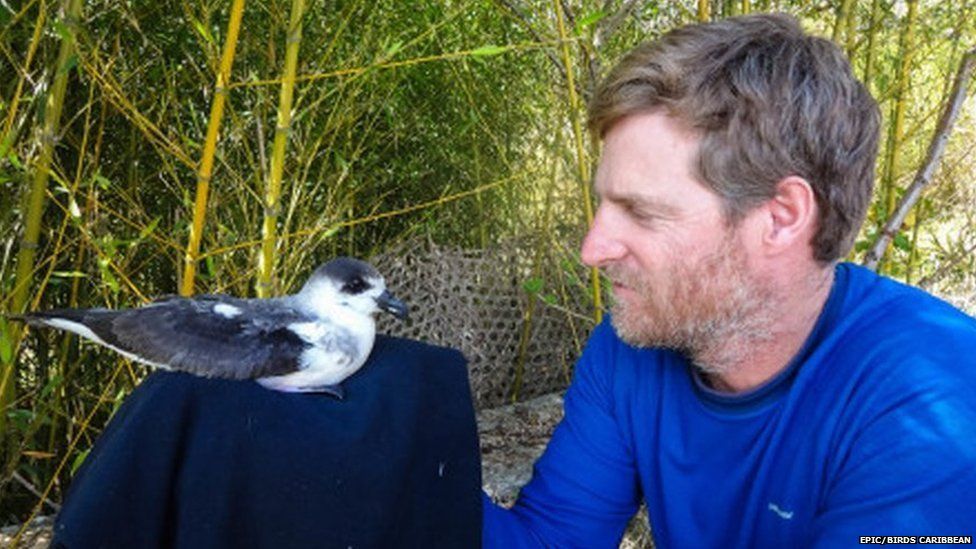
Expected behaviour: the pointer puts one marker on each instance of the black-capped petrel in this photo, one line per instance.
(307, 342)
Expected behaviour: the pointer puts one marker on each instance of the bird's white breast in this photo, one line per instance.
(330, 359)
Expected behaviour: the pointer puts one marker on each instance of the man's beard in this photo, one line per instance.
(712, 309)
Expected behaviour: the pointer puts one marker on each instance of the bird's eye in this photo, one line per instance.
(355, 286)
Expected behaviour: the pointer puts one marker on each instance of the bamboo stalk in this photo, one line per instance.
(914, 221)
(36, 197)
(581, 166)
(704, 9)
(869, 53)
(210, 148)
(851, 41)
(841, 23)
(9, 136)
(731, 8)
(272, 195)
(897, 131)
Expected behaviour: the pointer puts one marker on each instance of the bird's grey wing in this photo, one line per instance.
(213, 336)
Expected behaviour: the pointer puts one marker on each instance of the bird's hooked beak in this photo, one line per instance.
(392, 305)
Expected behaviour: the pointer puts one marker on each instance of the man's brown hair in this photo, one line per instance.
(768, 101)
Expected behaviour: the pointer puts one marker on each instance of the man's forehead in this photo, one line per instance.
(628, 186)
(652, 192)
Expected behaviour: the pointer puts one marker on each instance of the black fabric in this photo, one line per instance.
(195, 462)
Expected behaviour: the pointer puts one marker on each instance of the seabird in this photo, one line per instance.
(307, 342)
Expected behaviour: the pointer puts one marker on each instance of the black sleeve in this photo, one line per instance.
(195, 462)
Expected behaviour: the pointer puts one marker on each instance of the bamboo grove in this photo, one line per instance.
(230, 145)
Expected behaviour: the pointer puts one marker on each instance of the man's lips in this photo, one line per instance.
(621, 290)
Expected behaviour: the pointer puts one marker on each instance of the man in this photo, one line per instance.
(751, 389)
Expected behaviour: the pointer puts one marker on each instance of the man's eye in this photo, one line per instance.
(642, 217)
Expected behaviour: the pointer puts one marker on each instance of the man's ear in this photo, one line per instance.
(790, 216)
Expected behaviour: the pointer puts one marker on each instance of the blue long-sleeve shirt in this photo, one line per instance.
(869, 431)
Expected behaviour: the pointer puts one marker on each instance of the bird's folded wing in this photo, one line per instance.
(198, 336)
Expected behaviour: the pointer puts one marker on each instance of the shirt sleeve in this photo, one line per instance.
(584, 488)
(909, 469)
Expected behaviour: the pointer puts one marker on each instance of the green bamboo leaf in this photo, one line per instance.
(108, 245)
(331, 232)
(107, 277)
(15, 160)
(203, 31)
(485, 51)
(589, 20)
(71, 63)
(117, 401)
(79, 459)
(902, 242)
(21, 418)
(149, 229)
(394, 49)
(69, 274)
(62, 30)
(533, 285)
(103, 182)
(51, 385)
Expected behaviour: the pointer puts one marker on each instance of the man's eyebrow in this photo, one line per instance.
(646, 203)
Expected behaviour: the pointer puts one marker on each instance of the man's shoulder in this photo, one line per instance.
(891, 338)
(893, 313)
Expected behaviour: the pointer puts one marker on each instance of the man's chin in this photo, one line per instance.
(633, 331)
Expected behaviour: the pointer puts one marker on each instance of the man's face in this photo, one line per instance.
(681, 276)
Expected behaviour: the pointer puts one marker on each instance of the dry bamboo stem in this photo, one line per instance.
(924, 176)
(36, 196)
(266, 260)
(210, 148)
(583, 172)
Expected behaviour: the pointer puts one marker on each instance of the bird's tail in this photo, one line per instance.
(44, 318)
(88, 323)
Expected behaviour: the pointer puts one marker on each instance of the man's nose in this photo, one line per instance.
(602, 244)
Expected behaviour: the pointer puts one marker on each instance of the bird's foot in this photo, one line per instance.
(331, 390)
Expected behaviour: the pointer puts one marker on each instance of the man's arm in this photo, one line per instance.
(910, 469)
(584, 488)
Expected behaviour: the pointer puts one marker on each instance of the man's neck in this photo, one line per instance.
(743, 361)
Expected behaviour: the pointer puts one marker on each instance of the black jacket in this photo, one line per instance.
(194, 462)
